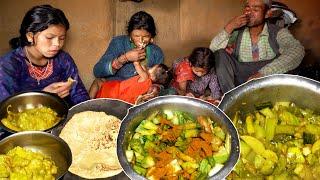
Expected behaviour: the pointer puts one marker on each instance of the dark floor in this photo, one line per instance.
(310, 71)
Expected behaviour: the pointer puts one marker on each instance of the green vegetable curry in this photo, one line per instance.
(176, 145)
(280, 141)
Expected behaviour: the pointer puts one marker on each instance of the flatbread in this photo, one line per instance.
(92, 137)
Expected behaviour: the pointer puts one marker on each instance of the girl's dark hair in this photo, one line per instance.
(202, 57)
(38, 19)
(163, 75)
(142, 20)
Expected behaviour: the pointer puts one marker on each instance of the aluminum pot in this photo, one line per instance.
(113, 107)
(182, 103)
(304, 92)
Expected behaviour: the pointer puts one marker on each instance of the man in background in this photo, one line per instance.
(250, 47)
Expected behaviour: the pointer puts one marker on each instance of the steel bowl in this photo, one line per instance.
(181, 103)
(29, 100)
(113, 107)
(304, 92)
(42, 142)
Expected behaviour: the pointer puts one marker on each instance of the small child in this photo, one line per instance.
(195, 76)
(137, 89)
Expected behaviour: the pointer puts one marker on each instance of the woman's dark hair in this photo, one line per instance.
(163, 75)
(142, 20)
(202, 57)
(38, 19)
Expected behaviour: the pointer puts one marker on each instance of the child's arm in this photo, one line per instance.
(153, 91)
(182, 88)
(95, 87)
(143, 73)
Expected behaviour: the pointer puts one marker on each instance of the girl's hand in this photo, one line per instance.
(190, 94)
(62, 89)
(214, 101)
(211, 100)
(136, 54)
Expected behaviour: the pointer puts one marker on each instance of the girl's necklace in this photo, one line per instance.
(34, 72)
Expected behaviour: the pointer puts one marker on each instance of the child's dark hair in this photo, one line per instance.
(142, 20)
(202, 57)
(163, 75)
(38, 19)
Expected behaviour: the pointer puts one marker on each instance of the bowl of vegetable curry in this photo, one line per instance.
(278, 120)
(34, 155)
(177, 137)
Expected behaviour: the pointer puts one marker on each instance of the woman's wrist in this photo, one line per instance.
(120, 61)
(123, 59)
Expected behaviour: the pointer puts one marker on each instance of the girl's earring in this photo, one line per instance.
(130, 39)
(31, 43)
(151, 40)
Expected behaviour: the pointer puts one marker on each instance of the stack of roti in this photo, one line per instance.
(92, 139)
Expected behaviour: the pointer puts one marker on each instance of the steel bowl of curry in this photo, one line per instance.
(34, 155)
(177, 137)
(32, 111)
(278, 120)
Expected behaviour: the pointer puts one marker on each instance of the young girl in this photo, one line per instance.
(195, 75)
(38, 61)
(142, 87)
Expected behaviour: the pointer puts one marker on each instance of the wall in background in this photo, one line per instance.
(182, 25)
(307, 30)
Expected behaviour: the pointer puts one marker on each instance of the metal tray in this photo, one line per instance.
(110, 106)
